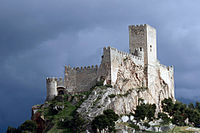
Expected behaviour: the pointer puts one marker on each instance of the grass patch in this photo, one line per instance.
(55, 129)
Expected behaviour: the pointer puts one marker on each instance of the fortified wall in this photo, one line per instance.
(80, 79)
(138, 68)
(112, 59)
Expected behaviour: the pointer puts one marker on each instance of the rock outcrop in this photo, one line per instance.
(126, 94)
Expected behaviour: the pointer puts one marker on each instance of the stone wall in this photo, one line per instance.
(124, 71)
(104, 72)
(112, 59)
(143, 36)
(167, 74)
(151, 45)
(138, 39)
(51, 85)
(80, 79)
(117, 58)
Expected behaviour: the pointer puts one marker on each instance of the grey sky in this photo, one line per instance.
(38, 37)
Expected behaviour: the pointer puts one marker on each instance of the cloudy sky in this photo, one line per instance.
(38, 37)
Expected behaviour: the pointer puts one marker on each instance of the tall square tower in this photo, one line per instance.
(143, 37)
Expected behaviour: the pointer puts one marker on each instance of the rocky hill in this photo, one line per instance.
(103, 109)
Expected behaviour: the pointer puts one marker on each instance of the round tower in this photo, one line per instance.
(51, 84)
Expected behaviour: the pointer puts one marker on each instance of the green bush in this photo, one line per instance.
(111, 95)
(99, 83)
(164, 117)
(12, 130)
(75, 123)
(146, 124)
(145, 110)
(167, 106)
(106, 120)
(136, 127)
(179, 119)
(180, 112)
(109, 85)
(28, 125)
(191, 106)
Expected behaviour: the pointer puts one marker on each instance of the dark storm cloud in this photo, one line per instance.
(38, 37)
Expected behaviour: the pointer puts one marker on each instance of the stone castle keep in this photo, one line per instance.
(138, 68)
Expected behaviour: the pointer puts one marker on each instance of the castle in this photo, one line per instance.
(138, 68)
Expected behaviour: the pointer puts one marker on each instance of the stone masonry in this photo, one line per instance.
(139, 68)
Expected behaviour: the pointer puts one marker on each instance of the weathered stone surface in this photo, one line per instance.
(134, 75)
(128, 89)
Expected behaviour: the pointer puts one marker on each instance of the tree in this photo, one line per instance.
(151, 111)
(100, 122)
(164, 117)
(193, 116)
(78, 122)
(179, 119)
(105, 121)
(167, 106)
(28, 125)
(145, 110)
(12, 130)
(197, 106)
(140, 112)
(191, 106)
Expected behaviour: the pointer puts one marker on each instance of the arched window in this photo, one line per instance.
(61, 90)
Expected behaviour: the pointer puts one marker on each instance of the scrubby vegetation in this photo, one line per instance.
(182, 114)
(60, 114)
(111, 95)
(26, 127)
(176, 113)
(145, 111)
(105, 121)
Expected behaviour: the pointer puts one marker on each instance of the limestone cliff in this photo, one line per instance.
(125, 95)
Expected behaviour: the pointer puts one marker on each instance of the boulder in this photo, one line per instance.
(125, 118)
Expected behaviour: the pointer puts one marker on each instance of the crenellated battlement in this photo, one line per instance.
(169, 68)
(141, 60)
(50, 79)
(137, 26)
(82, 68)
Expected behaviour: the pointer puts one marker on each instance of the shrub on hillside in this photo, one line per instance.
(28, 125)
(105, 121)
(179, 112)
(145, 110)
(164, 117)
(99, 83)
(12, 130)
